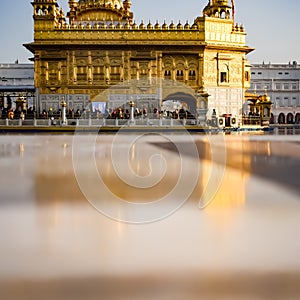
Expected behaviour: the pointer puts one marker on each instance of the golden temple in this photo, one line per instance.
(98, 45)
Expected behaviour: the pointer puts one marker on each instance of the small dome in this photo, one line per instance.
(165, 26)
(172, 25)
(142, 25)
(111, 25)
(135, 26)
(157, 26)
(195, 26)
(96, 25)
(187, 25)
(127, 26)
(149, 26)
(179, 26)
(119, 26)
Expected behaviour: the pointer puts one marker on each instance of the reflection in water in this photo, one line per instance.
(157, 171)
(243, 245)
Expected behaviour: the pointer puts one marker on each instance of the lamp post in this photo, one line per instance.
(63, 105)
(131, 104)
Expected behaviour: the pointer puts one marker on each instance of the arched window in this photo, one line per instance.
(38, 10)
(98, 73)
(223, 14)
(290, 118)
(115, 73)
(81, 73)
(192, 75)
(180, 75)
(281, 118)
(167, 74)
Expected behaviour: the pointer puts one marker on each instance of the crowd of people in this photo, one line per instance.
(11, 114)
(115, 113)
(155, 113)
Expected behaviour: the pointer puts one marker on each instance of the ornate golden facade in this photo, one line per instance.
(101, 45)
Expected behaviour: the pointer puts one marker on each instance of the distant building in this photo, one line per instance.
(282, 83)
(100, 45)
(16, 79)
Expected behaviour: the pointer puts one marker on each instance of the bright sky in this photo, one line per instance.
(272, 25)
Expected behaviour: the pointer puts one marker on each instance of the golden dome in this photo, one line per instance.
(106, 3)
(108, 10)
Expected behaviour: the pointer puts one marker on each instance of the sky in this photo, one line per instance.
(272, 26)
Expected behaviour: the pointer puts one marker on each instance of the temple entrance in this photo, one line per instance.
(186, 101)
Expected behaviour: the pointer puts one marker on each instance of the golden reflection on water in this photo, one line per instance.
(231, 191)
(55, 180)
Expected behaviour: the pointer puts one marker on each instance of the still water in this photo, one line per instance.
(150, 216)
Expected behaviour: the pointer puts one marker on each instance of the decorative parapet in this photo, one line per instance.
(203, 31)
(119, 36)
(115, 25)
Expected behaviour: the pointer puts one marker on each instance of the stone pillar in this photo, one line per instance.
(131, 111)
(47, 72)
(90, 67)
(63, 116)
(59, 72)
(160, 71)
(137, 71)
(90, 119)
(107, 64)
(74, 66)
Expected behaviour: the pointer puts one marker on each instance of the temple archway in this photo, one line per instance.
(185, 99)
(297, 118)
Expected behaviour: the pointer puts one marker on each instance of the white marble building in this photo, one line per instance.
(282, 83)
(16, 78)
